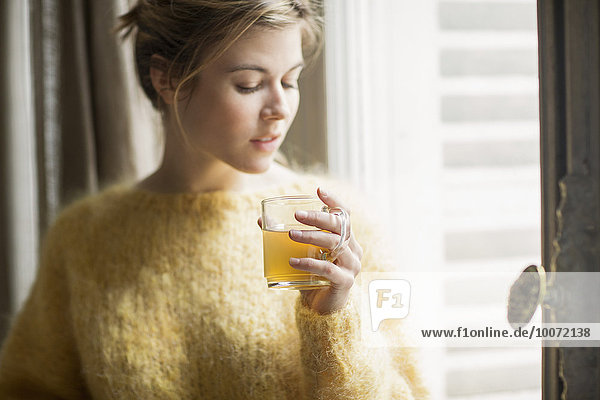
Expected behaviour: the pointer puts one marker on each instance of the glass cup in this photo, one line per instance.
(277, 220)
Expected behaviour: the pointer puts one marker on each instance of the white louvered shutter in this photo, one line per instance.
(491, 183)
(433, 111)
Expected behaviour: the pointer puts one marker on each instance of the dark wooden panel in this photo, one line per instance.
(569, 112)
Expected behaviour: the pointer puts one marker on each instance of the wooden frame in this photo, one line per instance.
(569, 47)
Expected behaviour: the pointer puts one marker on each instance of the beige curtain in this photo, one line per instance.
(66, 98)
(81, 104)
(4, 277)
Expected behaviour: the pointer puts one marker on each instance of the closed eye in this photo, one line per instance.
(243, 89)
(253, 89)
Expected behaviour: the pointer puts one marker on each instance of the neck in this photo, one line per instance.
(183, 172)
(184, 169)
(198, 174)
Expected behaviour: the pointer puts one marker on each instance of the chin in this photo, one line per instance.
(257, 168)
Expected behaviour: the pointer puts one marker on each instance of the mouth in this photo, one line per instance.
(267, 143)
(266, 139)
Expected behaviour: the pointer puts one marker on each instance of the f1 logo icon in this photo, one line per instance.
(388, 299)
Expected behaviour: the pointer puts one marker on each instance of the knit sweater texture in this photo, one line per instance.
(142, 295)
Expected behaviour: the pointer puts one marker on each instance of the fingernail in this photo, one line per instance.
(323, 192)
(294, 261)
(296, 234)
(301, 214)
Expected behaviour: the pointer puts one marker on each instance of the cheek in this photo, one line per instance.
(236, 112)
(218, 109)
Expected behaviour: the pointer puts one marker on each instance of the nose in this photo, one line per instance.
(276, 106)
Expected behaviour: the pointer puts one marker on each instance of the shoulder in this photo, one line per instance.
(78, 217)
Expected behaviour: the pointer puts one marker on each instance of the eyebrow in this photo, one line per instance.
(258, 68)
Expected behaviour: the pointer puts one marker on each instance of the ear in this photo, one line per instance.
(158, 75)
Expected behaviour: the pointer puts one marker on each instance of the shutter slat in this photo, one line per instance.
(484, 62)
(488, 16)
(482, 86)
(508, 107)
(498, 153)
(488, 40)
(500, 264)
(532, 394)
(497, 243)
(480, 131)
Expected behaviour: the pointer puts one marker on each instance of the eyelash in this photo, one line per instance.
(246, 90)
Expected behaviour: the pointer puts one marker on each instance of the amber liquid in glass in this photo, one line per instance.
(278, 248)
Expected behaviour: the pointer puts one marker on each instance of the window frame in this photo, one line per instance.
(569, 43)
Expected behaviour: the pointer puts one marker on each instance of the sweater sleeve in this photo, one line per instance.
(337, 363)
(39, 358)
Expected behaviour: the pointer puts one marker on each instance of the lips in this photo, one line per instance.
(266, 138)
(268, 143)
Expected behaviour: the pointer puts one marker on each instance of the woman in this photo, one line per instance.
(155, 290)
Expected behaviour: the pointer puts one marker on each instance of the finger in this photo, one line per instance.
(317, 238)
(349, 261)
(259, 222)
(326, 240)
(322, 220)
(355, 247)
(336, 275)
(330, 199)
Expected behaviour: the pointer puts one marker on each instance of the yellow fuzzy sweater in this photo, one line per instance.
(143, 295)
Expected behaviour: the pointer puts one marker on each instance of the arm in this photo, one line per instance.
(39, 357)
(337, 363)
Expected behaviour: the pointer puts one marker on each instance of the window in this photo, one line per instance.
(433, 111)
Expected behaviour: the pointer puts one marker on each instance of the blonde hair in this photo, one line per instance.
(190, 34)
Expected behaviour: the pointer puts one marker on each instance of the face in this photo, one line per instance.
(249, 93)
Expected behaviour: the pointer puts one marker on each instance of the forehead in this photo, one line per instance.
(274, 49)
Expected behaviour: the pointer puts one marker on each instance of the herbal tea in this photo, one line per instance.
(278, 248)
(278, 218)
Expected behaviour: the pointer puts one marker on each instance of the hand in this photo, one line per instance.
(341, 272)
